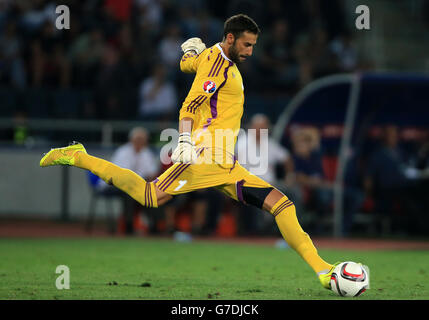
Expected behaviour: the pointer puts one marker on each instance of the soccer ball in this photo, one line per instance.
(349, 279)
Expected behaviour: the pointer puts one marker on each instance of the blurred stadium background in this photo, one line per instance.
(349, 91)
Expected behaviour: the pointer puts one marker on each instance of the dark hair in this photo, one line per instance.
(238, 24)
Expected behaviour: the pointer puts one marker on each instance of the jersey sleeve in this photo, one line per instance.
(189, 62)
(210, 77)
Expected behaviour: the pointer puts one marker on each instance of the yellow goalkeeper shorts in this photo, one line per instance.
(182, 178)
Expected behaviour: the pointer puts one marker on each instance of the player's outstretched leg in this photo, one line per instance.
(124, 179)
(284, 212)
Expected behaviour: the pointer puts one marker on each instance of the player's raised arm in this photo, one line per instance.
(185, 151)
(191, 53)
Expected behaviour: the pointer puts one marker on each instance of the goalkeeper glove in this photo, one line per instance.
(193, 44)
(185, 150)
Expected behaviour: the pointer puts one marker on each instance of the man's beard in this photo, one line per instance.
(233, 54)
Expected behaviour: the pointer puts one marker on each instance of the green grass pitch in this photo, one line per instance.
(127, 268)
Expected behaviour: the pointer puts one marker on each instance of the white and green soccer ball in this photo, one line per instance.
(350, 279)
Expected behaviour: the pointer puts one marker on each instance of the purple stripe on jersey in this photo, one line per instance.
(216, 66)
(220, 67)
(196, 103)
(209, 121)
(239, 187)
(213, 99)
(187, 108)
(215, 63)
(193, 102)
(220, 62)
(199, 103)
(194, 108)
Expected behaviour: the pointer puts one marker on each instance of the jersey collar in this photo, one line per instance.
(222, 53)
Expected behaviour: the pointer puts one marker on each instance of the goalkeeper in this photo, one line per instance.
(209, 122)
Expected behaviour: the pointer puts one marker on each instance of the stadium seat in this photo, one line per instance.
(227, 225)
(329, 164)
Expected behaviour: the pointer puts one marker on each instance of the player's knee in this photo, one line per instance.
(255, 196)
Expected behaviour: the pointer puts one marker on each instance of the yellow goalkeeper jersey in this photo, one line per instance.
(215, 103)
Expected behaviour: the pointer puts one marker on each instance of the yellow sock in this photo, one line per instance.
(285, 215)
(124, 179)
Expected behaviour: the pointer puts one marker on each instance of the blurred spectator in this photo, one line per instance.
(125, 42)
(314, 57)
(114, 80)
(169, 47)
(35, 14)
(113, 44)
(158, 98)
(276, 153)
(209, 28)
(313, 12)
(344, 50)
(274, 166)
(150, 14)
(394, 185)
(49, 65)
(316, 188)
(307, 157)
(317, 191)
(387, 163)
(277, 60)
(328, 15)
(85, 53)
(12, 68)
(137, 156)
(274, 10)
(188, 21)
